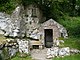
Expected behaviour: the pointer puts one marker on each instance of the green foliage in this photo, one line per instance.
(51, 8)
(71, 42)
(72, 24)
(56, 8)
(17, 57)
(7, 5)
(72, 57)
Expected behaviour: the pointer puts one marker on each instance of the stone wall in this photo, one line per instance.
(10, 47)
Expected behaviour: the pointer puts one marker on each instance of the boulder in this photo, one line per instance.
(64, 51)
(54, 51)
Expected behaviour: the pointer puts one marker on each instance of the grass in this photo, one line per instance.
(20, 58)
(72, 43)
(72, 57)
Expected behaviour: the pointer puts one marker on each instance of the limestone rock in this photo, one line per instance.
(64, 51)
(23, 46)
(52, 52)
(75, 51)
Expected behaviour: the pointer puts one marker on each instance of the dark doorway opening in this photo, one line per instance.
(48, 38)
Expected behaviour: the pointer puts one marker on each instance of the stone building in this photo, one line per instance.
(50, 31)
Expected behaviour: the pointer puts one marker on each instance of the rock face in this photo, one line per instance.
(20, 21)
(4, 22)
(7, 26)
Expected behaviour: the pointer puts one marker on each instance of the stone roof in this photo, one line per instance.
(52, 22)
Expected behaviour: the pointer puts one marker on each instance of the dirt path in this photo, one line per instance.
(39, 54)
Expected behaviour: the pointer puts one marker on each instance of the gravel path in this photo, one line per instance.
(39, 54)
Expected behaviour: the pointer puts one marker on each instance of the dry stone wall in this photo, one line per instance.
(10, 47)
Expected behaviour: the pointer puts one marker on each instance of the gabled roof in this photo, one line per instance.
(52, 23)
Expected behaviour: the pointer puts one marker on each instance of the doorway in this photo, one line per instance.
(48, 37)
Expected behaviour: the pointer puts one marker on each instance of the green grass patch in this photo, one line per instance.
(22, 58)
(72, 57)
(71, 42)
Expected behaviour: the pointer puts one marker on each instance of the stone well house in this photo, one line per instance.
(45, 33)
